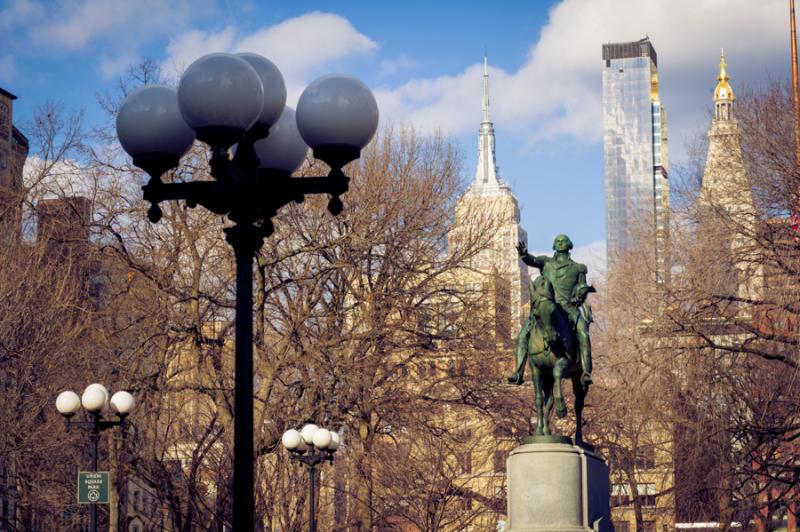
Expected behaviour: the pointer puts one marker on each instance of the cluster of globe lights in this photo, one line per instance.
(311, 437)
(223, 99)
(95, 400)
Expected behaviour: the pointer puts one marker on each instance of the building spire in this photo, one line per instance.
(486, 173)
(723, 94)
(485, 87)
(723, 67)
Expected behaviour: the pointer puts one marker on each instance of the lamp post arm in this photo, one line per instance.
(98, 425)
(234, 192)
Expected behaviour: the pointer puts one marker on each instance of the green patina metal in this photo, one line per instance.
(554, 339)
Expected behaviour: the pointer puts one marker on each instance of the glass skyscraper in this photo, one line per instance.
(635, 138)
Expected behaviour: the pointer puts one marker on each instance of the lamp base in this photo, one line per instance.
(220, 136)
(155, 164)
(336, 155)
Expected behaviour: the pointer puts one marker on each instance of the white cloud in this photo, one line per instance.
(593, 255)
(74, 25)
(391, 67)
(112, 67)
(115, 29)
(557, 91)
(188, 46)
(298, 46)
(63, 179)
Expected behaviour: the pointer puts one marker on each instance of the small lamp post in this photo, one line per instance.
(311, 445)
(226, 99)
(96, 403)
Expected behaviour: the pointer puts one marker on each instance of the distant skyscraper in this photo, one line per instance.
(635, 137)
(489, 202)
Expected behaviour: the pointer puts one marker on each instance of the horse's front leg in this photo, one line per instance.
(538, 385)
(547, 392)
(559, 369)
(580, 398)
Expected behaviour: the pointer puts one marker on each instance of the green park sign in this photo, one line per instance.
(93, 487)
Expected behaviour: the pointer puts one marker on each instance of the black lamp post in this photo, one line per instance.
(95, 401)
(226, 99)
(311, 446)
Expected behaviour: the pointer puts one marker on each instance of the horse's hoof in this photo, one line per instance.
(515, 378)
(561, 408)
(539, 432)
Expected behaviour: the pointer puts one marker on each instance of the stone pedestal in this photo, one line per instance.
(557, 487)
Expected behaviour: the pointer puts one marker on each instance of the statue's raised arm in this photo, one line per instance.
(527, 258)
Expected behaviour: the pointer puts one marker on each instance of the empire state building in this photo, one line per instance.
(489, 202)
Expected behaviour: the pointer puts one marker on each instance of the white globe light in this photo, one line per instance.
(274, 88)
(121, 403)
(284, 148)
(220, 96)
(322, 438)
(67, 403)
(307, 432)
(291, 439)
(335, 441)
(337, 110)
(100, 387)
(94, 399)
(149, 124)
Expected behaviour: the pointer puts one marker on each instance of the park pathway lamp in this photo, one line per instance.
(312, 446)
(96, 402)
(227, 99)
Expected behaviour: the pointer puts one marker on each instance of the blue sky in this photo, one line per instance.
(423, 59)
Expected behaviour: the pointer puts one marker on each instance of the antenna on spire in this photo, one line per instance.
(485, 86)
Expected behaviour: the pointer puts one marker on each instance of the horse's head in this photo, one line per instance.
(541, 289)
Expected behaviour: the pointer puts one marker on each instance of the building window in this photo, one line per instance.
(621, 526)
(647, 495)
(648, 526)
(620, 495)
(466, 503)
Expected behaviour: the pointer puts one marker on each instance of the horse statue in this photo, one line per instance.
(549, 344)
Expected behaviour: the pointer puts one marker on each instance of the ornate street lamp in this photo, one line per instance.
(96, 403)
(312, 446)
(227, 99)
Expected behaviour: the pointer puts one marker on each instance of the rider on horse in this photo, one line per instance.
(568, 279)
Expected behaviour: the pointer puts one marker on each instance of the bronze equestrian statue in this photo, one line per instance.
(554, 339)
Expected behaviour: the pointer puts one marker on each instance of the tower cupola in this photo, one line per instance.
(723, 94)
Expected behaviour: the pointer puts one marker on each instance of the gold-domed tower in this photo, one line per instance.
(727, 217)
(723, 94)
